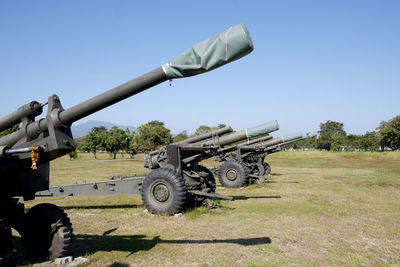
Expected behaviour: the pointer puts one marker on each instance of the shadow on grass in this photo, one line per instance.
(88, 244)
(118, 264)
(80, 207)
(289, 173)
(246, 197)
(280, 182)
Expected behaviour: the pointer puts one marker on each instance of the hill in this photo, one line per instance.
(83, 129)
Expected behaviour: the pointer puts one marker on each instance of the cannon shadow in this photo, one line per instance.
(255, 197)
(111, 206)
(88, 244)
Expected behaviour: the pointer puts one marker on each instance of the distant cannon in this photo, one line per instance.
(177, 178)
(247, 159)
(25, 154)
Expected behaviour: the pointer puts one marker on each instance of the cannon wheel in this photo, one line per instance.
(47, 232)
(233, 174)
(267, 168)
(261, 169)
(164, 192)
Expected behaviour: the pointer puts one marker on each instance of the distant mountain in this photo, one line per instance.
(84, 128)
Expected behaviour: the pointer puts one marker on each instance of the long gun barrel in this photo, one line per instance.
(307, 136)
(212, 53)
(280, 140)
(207, 135)
(276, 142)
(153, 159)
(256, 141)
(244, 134)
(29, 110)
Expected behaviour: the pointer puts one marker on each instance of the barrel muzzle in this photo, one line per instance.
(211, 53)
(262, 129)
(292, 137)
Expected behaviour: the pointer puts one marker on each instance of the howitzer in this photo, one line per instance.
(273, 148)
(251, 155)
(177, 171)
(278, 147)
(25, 154)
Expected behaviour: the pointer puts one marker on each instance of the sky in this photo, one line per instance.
(313, 61)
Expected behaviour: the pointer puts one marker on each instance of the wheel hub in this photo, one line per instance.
(231, 175)
(161, 192)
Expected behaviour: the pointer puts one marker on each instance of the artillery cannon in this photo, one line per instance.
(178, 179)
(273, 148)
(251, 155)
(45, 229)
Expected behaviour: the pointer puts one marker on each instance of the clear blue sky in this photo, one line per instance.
(313, 60)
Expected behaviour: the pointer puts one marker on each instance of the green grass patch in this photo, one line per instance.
(320, 209)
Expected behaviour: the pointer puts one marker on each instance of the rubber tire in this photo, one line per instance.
(241, 174)
(267, 168)
(261, 169)
(210, 178)
(170, 180)
(38, 239)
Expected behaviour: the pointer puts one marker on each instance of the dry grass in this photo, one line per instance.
(322, 208)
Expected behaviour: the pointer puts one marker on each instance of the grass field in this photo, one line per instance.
(321, 208)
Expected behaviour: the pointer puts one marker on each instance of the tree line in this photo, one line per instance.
(332, 136)
(148, 137)
(154, 134)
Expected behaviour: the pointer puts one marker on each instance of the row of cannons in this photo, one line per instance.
(177, 167)
(176, 181)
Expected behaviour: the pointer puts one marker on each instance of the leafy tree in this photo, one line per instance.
(130, 144)
(331, 135)
(309, 143)
(151, 135)
(156, 123)
(202, 129)
(73, 155)
(180, 136)
(353, 141)
(94, 140)
(115, 140)
(221, 125)
(9, 130)
(389, 133)
(79, 143)
(369, 141)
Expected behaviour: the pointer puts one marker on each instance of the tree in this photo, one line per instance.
(221, 125)
(73, 155)
(151, 135)
(9, 130)
(180, 136)
(389, 133)
(331, 135)
(353, 141)
(202, 129)
(130, 144)
(369, 141)
(94, 140)
(156, 123)
(115, 140)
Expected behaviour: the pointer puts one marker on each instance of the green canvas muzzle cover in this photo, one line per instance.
(262, 129)
(211, 53)
(292, 137)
